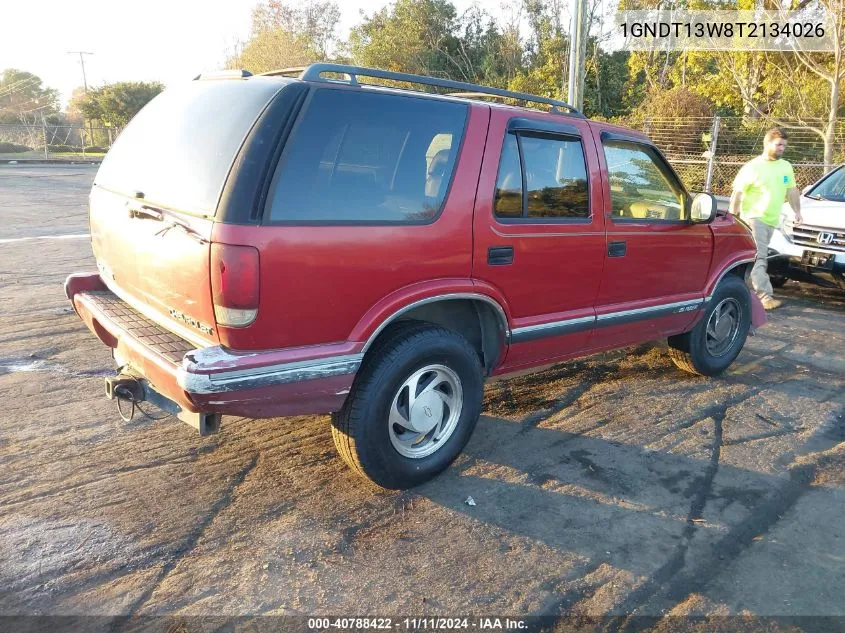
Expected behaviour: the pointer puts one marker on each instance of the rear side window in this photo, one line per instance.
(542, 177)
(179, 148)
(359, 156)
(509, 181)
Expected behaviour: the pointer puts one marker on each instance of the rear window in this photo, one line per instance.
(179, 148)
(360, 156)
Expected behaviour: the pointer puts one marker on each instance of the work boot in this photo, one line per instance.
(770, 303)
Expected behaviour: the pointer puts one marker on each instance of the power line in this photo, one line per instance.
(23, 84)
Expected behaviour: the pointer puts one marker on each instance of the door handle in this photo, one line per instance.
(617, 249)
(500, 255)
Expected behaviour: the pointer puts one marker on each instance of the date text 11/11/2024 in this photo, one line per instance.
(416, 624)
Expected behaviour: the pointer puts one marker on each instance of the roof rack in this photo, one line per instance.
(223, 74)
(293, 70)
(314, 72)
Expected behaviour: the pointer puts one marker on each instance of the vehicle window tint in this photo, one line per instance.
(437, 160)
(359, 156)
(556, 177)
(508, 201)
(640, 188)
(832, 187)
(180, 147)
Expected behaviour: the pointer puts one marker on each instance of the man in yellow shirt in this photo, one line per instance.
(759, 191)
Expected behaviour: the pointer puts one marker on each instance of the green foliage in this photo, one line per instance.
(272, 50)
(13, 148)
(115, 104)
(23, 98)
(286, 36)
(605, 84)
(414, 36)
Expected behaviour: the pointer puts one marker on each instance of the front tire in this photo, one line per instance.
(412, 408)
(716, 340)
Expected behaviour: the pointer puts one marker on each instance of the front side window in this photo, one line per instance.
(359, 156)
(641, 188)
(552, 173)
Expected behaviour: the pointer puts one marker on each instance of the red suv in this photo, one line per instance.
(273, 246)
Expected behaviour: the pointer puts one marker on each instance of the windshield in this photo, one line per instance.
(179, 148)
(831, 188)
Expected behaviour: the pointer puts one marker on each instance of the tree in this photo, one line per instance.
(115, 104)
(23, 98)
(823, 75)
(272, 50)
(286, 36)
(546, 52)
(73, 111)
(605, 82)
(412, 36)
(486, 54)
(312, 21)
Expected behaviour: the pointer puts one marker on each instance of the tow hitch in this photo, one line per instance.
(126, 388)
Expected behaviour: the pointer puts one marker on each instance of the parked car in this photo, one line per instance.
(317, 245)
(817, 244)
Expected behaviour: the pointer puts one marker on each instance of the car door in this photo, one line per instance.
(657, 260)
(539, 233)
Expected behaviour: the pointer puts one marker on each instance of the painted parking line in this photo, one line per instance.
(75, 236)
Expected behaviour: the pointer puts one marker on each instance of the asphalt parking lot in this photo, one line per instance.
(611, 486)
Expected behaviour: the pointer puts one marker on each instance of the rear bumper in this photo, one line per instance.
(211, 379)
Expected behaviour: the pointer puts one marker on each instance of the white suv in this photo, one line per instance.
(818, 243)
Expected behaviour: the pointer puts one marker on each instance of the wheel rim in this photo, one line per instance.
(425, 411)
(723, 327)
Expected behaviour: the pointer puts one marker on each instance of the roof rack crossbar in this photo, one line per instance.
(293, 70)
(314, 72)
(224, 74)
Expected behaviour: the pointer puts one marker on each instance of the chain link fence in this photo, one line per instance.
(46, 141)
(708, 152)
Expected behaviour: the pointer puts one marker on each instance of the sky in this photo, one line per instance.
(153, 40)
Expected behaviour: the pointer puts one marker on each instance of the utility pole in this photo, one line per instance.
(578, 32)
(85, 84)
(82, 61)
(711, 158)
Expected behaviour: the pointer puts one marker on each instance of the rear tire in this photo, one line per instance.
(716, 340)
(412, 407)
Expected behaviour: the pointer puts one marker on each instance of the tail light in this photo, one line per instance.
(234, 284)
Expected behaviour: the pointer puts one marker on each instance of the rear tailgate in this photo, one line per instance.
(160, 266)
(155, 198)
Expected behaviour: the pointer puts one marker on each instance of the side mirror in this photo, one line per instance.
(703, 208)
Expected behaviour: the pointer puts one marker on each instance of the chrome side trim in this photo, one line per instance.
(627, 316)
(570, 326)
(223, 382)
(435, 299)
(555, 328)
(709, 297)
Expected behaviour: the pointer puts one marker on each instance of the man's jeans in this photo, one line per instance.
(759, 276)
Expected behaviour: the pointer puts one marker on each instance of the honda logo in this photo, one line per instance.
(825, 238)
